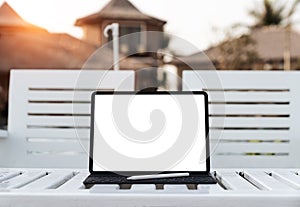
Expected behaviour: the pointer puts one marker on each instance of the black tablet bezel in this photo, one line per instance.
(147, 93)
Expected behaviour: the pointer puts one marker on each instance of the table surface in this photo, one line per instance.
(236, 187)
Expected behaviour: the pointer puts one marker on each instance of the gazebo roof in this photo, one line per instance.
(120, 10)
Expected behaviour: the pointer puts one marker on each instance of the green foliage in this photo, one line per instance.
(237, 53)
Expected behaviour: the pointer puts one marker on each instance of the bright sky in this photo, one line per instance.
(201, 22)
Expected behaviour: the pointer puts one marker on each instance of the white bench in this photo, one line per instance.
(235, 188)
(254, 116)
(63, 187)
(49, 110)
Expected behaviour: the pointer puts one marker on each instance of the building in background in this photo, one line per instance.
(130, 19)
(270, 44)
(141, 46)
(262, 49)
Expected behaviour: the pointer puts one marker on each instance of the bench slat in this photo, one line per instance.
(253, 147)
(288, 177)
(266, 181)
(82, 133)
(24, 179)
(232, 181)
(51, 181)
(248, 96)
(74, 183)
(58, 121)
(59, 108)
(251, 109)
(250, 122)
(250, 134)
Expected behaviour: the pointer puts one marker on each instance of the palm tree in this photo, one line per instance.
(269, 15)
(273, 14)
(279, 15)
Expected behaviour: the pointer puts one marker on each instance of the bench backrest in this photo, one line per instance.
(49, 112)
(254, 116)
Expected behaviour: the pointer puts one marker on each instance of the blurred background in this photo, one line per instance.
(234, 34)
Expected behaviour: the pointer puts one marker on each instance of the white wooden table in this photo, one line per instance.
(235, 188)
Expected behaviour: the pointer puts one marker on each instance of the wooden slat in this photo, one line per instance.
(80, 133)
(78, 78)
(287, 177)
(9, 174)
(232, 181)
(196, 80)
(50, 140)
(59, 108)
(74, 183)
(24, 179)
(57, 147)
(59, 96)
(242, 161)
(249, 134)
(266, 182)
(250, 96)
(58, 121)
(250, 109)
(250, 122)
(51, 181)
(252, 147)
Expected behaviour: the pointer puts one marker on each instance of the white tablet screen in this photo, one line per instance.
(149, 132)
